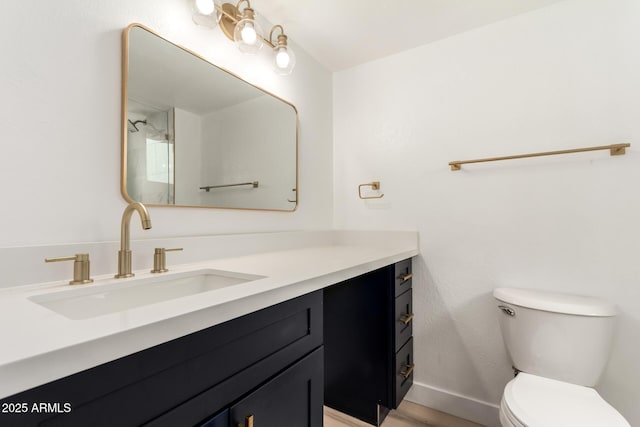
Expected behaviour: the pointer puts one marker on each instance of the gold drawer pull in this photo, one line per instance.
(405, 277)
(248, 422)
(408, 372)
(406, 318)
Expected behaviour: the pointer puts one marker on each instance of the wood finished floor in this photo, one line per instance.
(408, 414)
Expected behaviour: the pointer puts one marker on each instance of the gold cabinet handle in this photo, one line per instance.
(160, 259)
(81, 267)
(248, 422)
(406, 318)
(405, 277)
(409, 370)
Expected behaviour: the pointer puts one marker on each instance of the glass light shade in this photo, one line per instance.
(205, 7)
(284, 60)
(248, 36)
(206, 12)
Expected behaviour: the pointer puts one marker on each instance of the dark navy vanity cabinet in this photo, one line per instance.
(267, 364)
(368, 342)
(348, 346)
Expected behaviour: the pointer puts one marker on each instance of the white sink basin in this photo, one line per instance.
(125, 294)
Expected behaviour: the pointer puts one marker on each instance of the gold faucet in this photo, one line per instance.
(124, 254)
(81, 267)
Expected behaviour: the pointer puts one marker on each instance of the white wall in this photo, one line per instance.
(61, 112)
(564, 76)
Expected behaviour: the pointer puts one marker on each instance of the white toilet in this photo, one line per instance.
(560, 343)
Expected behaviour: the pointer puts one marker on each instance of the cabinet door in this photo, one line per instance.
(220, 420)
(358, 345)
(294, 398)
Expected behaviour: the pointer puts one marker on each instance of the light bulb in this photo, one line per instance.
(249, 35)
(282, 58)
(205, 7)
(205, 13)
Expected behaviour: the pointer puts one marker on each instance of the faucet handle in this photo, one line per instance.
(81, 267)
(160, 259)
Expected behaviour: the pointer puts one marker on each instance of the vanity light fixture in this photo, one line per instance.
(239, 25)
(284, 58)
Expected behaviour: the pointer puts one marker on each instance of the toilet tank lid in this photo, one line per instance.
(556, 302)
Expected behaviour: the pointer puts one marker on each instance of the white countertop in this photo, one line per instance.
(39, 345)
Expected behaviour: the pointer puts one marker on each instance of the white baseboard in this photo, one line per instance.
(455, 404)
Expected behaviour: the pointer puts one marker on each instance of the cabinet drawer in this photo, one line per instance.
(404, 318)
(404, 372)
(403, 275)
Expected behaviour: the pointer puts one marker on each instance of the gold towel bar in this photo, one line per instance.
(614, 149)
(254, 184)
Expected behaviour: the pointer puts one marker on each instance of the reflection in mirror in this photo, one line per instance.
(196, 135)
(150, 150)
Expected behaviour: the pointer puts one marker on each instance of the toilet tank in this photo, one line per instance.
(555, 335)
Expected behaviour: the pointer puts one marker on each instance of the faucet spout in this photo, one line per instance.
(124, 254)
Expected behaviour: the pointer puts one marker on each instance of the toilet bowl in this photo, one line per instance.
(559, 344)
(532, 401)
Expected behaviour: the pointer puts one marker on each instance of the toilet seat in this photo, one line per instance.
(533, 401)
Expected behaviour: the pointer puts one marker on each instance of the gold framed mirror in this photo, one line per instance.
(196, 135)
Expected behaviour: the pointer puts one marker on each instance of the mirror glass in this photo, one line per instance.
(197, 135)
